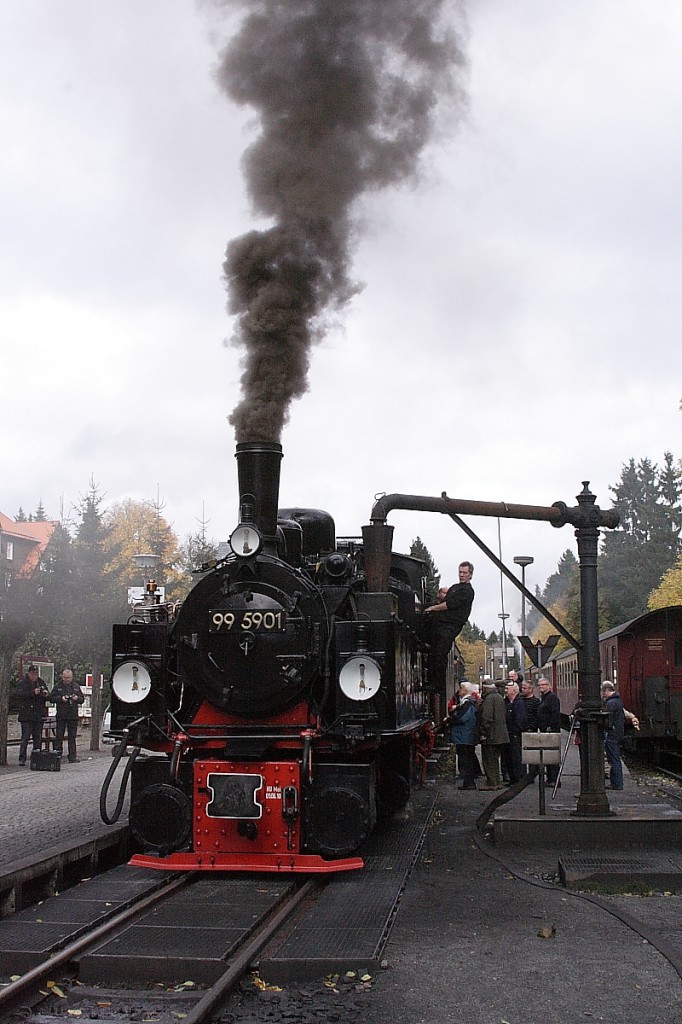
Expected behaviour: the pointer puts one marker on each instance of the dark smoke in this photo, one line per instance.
(346, 94)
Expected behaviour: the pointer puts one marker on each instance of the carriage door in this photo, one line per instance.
(656, 704)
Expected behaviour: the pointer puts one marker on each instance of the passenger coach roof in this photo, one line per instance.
(617, 630)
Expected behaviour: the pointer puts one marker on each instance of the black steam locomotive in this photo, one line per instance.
(286, 704)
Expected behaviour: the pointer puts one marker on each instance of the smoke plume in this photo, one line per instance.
(345, 93)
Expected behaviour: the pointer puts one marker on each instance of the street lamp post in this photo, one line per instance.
(524, 561)
(504, 616)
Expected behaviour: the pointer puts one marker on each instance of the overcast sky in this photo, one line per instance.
(518, 329)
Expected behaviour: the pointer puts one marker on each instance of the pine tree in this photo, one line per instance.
(472, 633)
(20, 517)
(419, 550)
(196, 551)
(670, 484)
(636, 556)
(99, 601)
(556, 593)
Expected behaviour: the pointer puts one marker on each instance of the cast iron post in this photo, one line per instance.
(593, 799)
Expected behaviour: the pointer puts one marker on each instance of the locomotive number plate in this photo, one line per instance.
(243, 621)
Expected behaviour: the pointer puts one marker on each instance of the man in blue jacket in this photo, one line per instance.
(613, 737)
(463, 734)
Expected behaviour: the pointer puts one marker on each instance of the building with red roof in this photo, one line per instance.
(21, 547)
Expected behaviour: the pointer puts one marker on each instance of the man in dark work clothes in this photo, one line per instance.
(447, 618)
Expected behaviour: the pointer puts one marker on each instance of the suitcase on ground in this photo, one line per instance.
(45, 761)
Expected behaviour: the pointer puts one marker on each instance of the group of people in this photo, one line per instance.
(33, 697)
(494, 721)
(498, 722)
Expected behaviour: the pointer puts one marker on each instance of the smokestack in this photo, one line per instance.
(376, 544)
(258, 466)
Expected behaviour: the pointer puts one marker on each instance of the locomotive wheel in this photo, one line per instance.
(393, 793)
(338, 821)
(160, 819)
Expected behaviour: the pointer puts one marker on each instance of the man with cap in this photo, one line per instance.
(32, 693)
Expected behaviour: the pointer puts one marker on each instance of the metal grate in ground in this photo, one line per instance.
(189, 936)
(650, 869)
(28, 935)
(352, 919)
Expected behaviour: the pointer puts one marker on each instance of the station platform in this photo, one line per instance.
(496, 931)
(636, 820)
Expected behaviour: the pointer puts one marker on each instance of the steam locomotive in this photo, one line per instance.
(285, 706)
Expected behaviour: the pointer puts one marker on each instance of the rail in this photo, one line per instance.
(28, 985)
(37, 974)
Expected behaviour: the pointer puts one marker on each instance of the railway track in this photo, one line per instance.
(670, 782)
(52, 989)
(130, 944)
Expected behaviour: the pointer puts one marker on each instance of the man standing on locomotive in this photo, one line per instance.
(447, 620)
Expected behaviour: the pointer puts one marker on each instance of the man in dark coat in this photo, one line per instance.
(493, 735)
(613, 737)
(32, 693)
(530, 700)
(549, 719)
(517, 723)
(447, 618)
(67, 695)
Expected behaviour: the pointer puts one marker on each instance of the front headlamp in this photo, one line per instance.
(131, 682)
(245, 541)
(360, 678)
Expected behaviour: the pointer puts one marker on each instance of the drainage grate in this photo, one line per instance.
(654, 869)
(353, 917)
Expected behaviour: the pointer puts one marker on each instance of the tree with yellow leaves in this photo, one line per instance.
(669, 590)
(138, 527)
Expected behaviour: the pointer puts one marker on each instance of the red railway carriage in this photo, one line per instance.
(643, 657)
